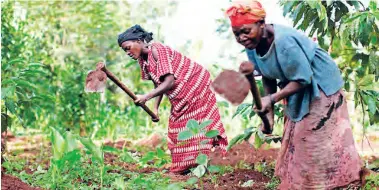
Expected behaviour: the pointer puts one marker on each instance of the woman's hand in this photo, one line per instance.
(266, 106)
(246, 67)
(141, 99)
(267, 110)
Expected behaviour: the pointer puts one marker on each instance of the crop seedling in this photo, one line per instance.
(193, 128)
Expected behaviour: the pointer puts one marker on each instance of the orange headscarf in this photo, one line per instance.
(245, 12)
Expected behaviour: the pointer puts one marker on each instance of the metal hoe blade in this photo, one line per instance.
(96, 81)
(231, 85)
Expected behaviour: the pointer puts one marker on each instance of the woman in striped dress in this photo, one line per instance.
(186, 84)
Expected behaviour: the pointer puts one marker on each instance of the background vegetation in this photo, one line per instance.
(47, 48)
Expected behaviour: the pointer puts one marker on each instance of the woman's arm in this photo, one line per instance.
(167, 84)
(269, 86)
(291, 88)
(158, 100)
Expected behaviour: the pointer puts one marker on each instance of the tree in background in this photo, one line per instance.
(47, 50)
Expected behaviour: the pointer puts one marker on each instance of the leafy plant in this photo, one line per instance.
(372, 182)
(259, 139)
(273, 183)
(159, 157)
(193, 128)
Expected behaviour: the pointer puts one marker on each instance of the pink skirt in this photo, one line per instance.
(318, 152)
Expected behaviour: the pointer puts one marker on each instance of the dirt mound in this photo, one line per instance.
(244, 152)
(14, 183)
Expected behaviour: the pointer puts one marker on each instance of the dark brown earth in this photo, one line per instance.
(241, 153)
(246, 153)
(242, 158)
(14, 183)
(236, 179)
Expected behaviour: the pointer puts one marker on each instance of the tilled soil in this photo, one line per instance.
(244, 152)
(14, 183)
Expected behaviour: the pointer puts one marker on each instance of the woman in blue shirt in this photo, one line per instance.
(318, 150)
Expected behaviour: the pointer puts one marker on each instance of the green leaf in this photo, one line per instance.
(298, 13)
(192, 181)
(119, 183)
(223, 104)
(376, 14)
(58, 144)
(241, 108)
(258, 141)
(5, 122)
(7, 81)
(111, 149)
(72, 156)
(373, 5)
(214, 169)
(323, 16)
(371, 105)
(354, 3)
(352, 18)
(248, 132)
(212, 133)
(234, 141)
(202, 159)
(25, 84)
(11, 106)
(374, 39)
(96, 152)
(185, 135)
(70, 142)
(205, 124)
(199, 171)
(312, 3)
(287, 7)
(160, 153)
(33, 73)
(252, 114)
(373, 86)
(38, 65)
(174, 186)
(347, 85)
(193, 126)
(6, 92)
(8, 64)
(366, 80)
(127, 157)
(147, 157)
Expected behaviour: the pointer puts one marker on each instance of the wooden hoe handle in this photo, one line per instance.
(248, 70)
(130, 93)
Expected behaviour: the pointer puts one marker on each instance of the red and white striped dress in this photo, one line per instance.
(191, 98)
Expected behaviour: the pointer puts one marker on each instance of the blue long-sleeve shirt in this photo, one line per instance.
(295, 57)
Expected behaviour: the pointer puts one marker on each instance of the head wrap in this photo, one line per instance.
(135, 32)
(245, 12)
